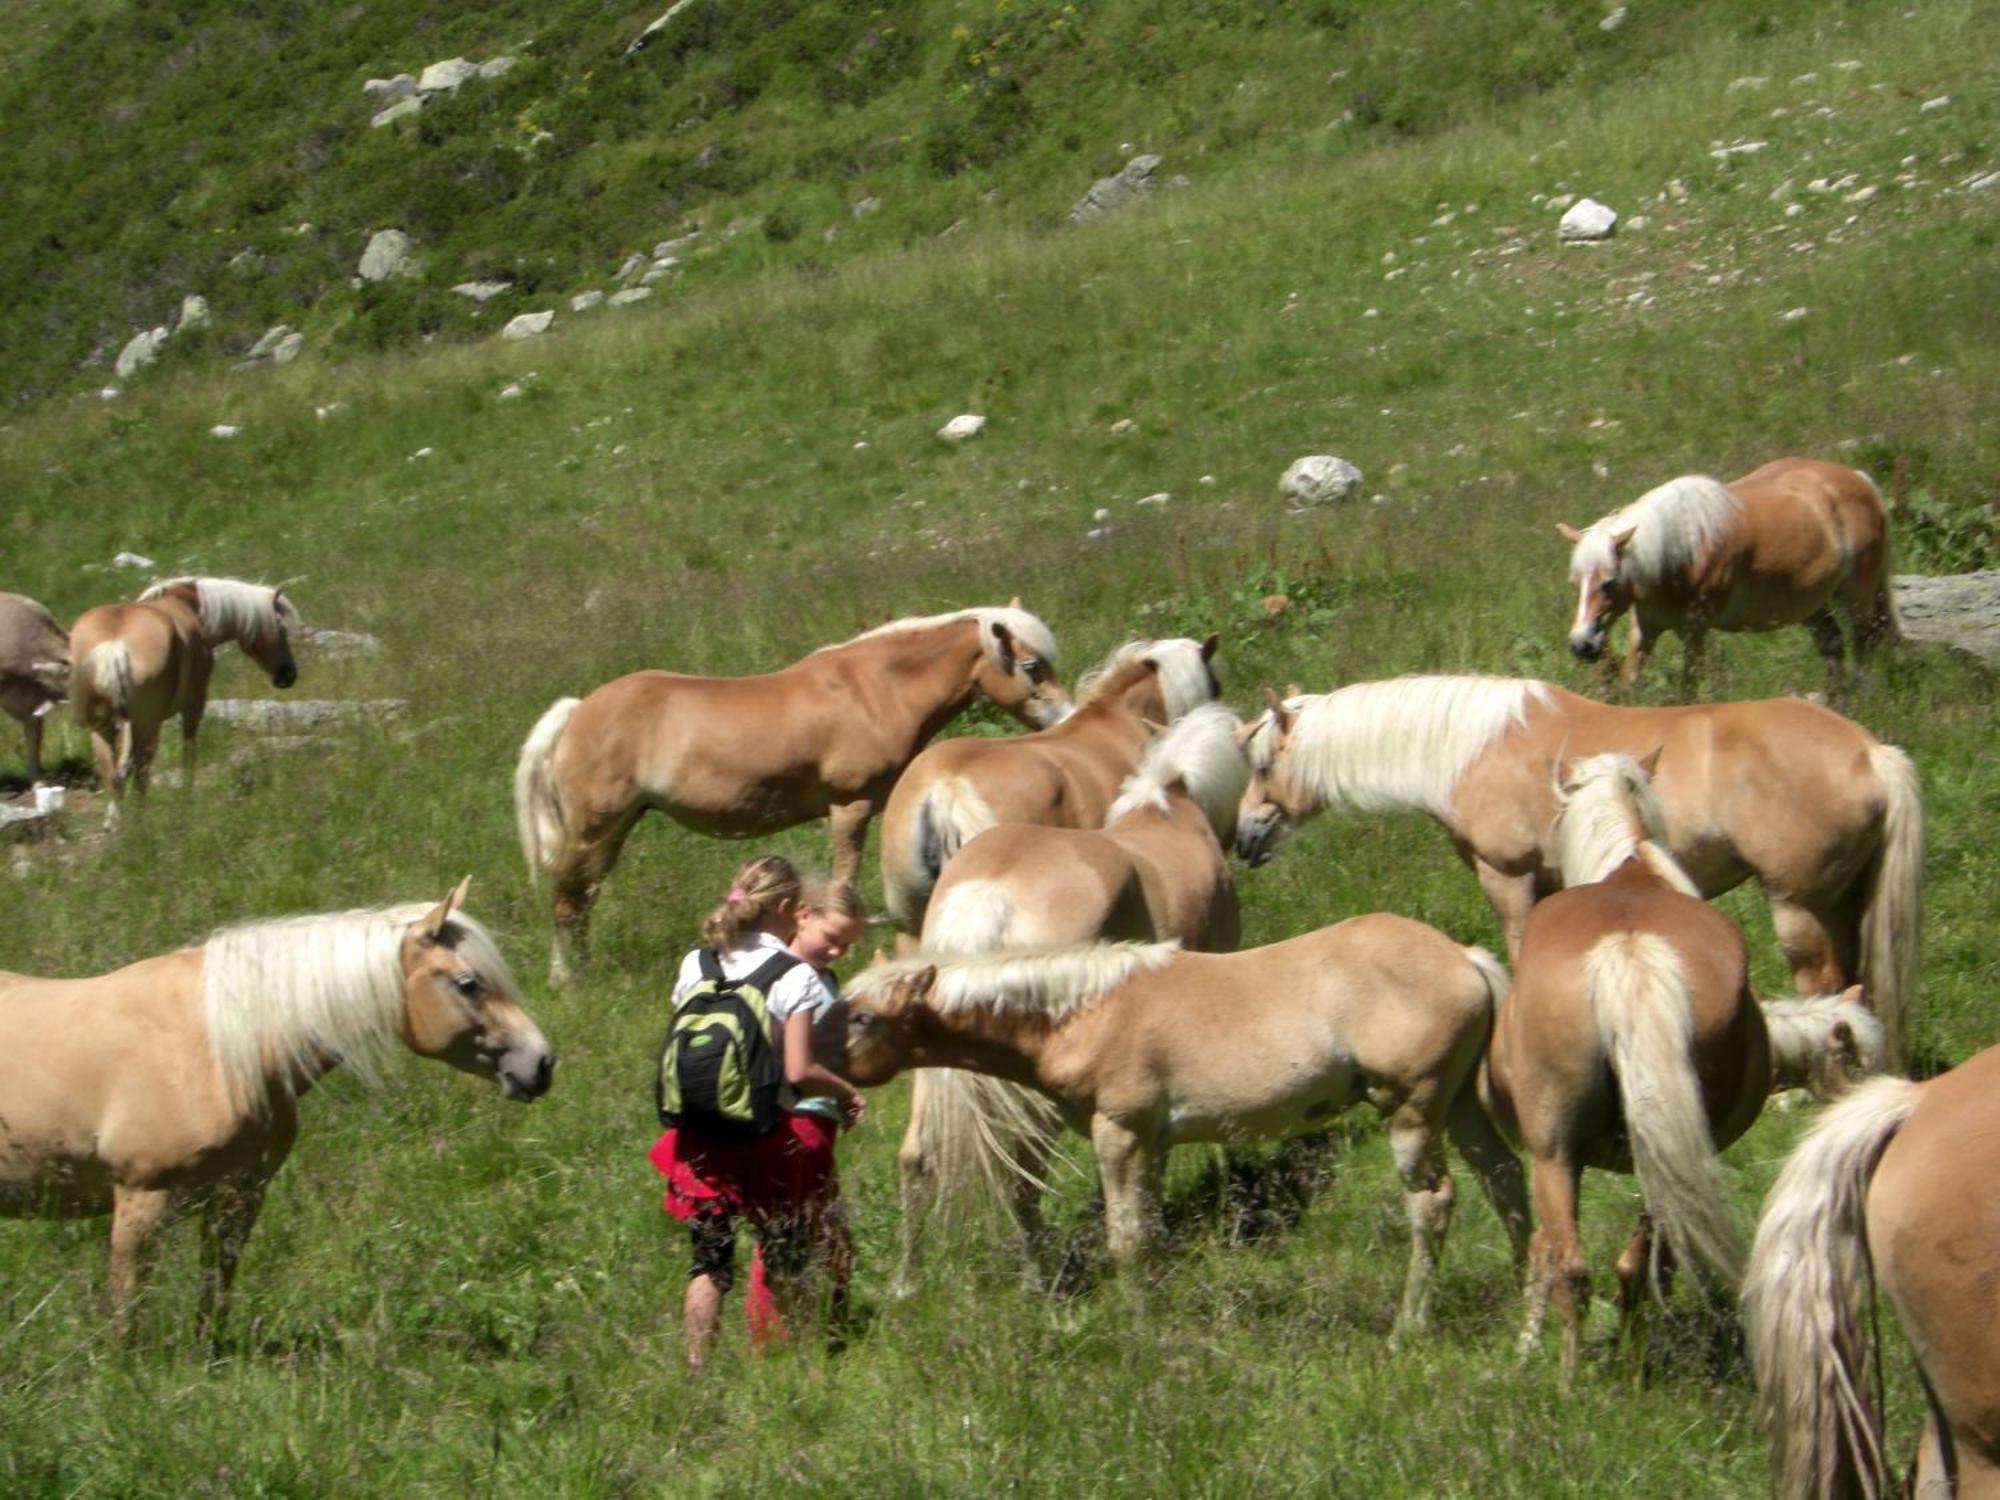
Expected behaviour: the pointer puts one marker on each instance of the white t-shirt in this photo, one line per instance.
(797, 989)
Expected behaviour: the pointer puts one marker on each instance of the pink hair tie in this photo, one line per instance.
(736, 893)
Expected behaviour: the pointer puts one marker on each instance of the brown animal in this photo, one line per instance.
(34, 669)
(1894, 1186)
(171, 1086)
(138, 665)
(736, 757)
(1826, 818)
(1787, 544)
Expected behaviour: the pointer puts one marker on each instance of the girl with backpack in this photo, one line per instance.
(775, 1168)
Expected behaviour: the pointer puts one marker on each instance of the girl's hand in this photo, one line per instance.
(853, 1107)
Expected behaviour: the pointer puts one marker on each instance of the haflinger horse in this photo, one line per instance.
(1787, 544)
(1894, 1186)
(1824, 816)
(138, 665)
(1630, 1042)
(34, 669)
(1157, 870)
(171, 1086)
(737, 757)
(1146, 1047)
(1066, 776)
(1822, 1043)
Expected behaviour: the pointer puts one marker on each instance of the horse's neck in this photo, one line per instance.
(986, 1041)
(933, 672)
(1108, 721)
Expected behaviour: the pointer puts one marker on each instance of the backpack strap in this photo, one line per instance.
(711, 966)
(770, 971)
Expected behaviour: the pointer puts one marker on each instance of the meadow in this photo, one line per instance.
(448, 1294)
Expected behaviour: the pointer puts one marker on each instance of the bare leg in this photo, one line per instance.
(701, 1309)
(1128, 1170)
(135, 1214)
(1635, 1276)
(1428, 1196)
(227, 1220)
(1498, 1169)
(1639, 645)
(848, 825)
(915, 1167)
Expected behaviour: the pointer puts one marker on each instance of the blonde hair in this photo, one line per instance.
(762, 885)
(838, 898)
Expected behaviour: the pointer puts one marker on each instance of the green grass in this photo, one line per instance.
(450, 1295)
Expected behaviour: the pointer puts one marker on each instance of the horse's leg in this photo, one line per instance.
(581, 867)
(1127, 1165)
(228, 1216)
(847, 823)
(1511, 897)
(135, 1214)
(1634, 1271)
(139, 769)
(1497, 1167)
(1639, 644)
(1563, 1270)
(1427, 1195)
(914, 1165)
(31, 731)
(190, 726)
(1694, 659)
(1824, 954)
(1825, 632)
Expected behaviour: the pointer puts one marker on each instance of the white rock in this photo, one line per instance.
(634, 265)
(342, 645)
(224, 430)
(678, 246)
(1792, 314)
(140, 351)
(1740, 148)
(1100, 514)
(959, 428)
(1613, 21)
(280, 714)
(511, 392)
(863, 207)
(109, 393)
(1560, 200)
(1861, 195)
(424, 452)
(401, 109)
(646, 37)
(627, 297)
(1587, 221)
(496, 67)
(388, 254)
(276, 334)
(132, 560)
(585, 301)
(1983, 181)
(1748, 81)
(861, 446)
(1122, 426)
(1793, 210)
(441, 77)
(1371, 312)
(1637, 221)
(1206, 479)
(483, 291)
(1097, 533)
(331, 409)
(659, 271)
(1159, 499)
(391, 90)
(288, 348)
(1319, 479)
(528, 324)
(1930, 106)
(194, 313)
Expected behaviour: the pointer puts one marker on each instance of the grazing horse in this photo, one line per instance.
(737, 757)
(1631, 1041)
(1822, 1043)
(34, 669)
(1828, 820)
(1157, 870)
(137, 665)
(1893, 1186)
(1783, 545)
(1146, 1047)
(1066, 776)
(171, 1086)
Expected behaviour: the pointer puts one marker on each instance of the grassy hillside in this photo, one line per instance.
(447, 1295)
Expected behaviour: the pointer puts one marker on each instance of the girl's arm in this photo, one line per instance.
(809, 1077)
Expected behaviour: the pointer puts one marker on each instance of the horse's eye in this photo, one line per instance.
(467, 984)
(1034, 668)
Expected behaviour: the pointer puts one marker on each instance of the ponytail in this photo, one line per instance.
(765, 883)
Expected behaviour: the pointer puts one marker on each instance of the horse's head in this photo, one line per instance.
(1603, 592)
(1016, 676)
(1273, 803)
(461, 1006)
(271, 645)
(881, 1021)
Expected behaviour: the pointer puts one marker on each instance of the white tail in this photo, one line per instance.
(109, 668)
(1891, 951)
(1805, 1301)
(1639, 1002)
(950, 815)
(538, 809)
(983, 1139)
(973, 917)
(1498, 981)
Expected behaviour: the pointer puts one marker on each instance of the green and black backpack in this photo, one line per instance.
(719, 1073)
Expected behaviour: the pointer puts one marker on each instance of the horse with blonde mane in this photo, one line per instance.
(739, 757)
(171, 1086)
(1146, 1047)
(1157, 870)
(138, 665)
(1826, 818)
(1631, 1042)
(1066, 776)
(1822, 1043)
(34, 669)
(1787, 544)
(1893, 1188)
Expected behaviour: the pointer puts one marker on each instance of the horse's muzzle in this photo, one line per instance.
(286, 675)
(1255, 841)
(531, 1082)
(1585, 648)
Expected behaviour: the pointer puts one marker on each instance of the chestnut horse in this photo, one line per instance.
(1784, 545)
(1066, 776)
(34, 669)
(1826, 818)
(1822, 1043)
(138, 665)
(1894, 1186)
(1156, 870)
(1146, 1047)
(1631, 1042)
(171, 1086)
(737, 757)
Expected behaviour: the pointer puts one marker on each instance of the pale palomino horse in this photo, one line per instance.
(1145, 1047)
(139, 665)
(1066, 776)
(34, 669)
(1894, 1187)
(1826, 818)
(1822, 1043)
(1788, 544)
(1630, 1042)
(738, 757)
(171, 1086)
(1157, 870)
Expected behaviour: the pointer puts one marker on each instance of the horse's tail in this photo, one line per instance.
(1806, 1296)
(1498, 982)
(950, 814)
(1645, 1023)
(1891, 922)
(107, 670)
(983, 1139)
(972, 917)
(538, 808)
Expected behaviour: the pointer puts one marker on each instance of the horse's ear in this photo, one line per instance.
(1003, 638)
(431, 928)
(1279, 714)
(1153, 726)
(1015, 602)
(1569, 533)
(1247, 733)
(922, 982)
(1853, 994)
(1650, 764)
(1622, 537)
(1208, 646)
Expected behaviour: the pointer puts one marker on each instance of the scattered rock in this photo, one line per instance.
(424, 452)
(1586, 222)
(1319, 479)
(388, 254)
(627, 297)
(1613, 21)
(585, 301)
(678, 247)
(1100, 514)
(1122, 426)
(1748, 81)
(288, 348)
(133, 560)
(959, 428)
(866, 206)
(496, 67)
(140, 351)
(292, 715)
(1109, 194)
(528, 324)
(483, 291)
(651, 34)
(402, 109)
(1961, 610)
(109, 393)
(1156, 499)
(1931, 106)
(194, 313)
(341, 645)
(273, 336)
(224, 430)
(388, 91)
(330, 409)
(634, 267)
(246, 260)
(1792, 314)
(446, 76)
(511, 393)
(660, 270)
(1740, 148)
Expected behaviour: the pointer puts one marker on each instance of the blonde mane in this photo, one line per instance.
(1200, 751)
(1801, 1034)
(1608, 814)
(1674, 527)
(1184, 679)
(279, 995)
(1054, 983)
(1400, 743)
(1034, 636)
(232, 610)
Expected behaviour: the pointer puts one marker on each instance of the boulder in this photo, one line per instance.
(341, 645)
(140, 351)
(194, 313)
(387, 255)
(1587, 221)
(1319, 479)
(585, 301)
(387, 91)
(647, 37)
(288, 348)
(291, 715)
(445, 77)
(400, 110)
(959, 428)
(1961, 610)
(678, 247)
(1109, 194)
(483, 291)
(529, 324)
(496, 67)
(275, 335)
(627, 297)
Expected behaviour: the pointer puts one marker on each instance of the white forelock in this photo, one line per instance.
(1049, 982)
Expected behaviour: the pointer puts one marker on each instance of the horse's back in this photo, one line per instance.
(1814, 524)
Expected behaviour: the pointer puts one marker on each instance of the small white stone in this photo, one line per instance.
(1748, 81)
(1161, 498)
(1372, 312)
(1319, 479)
(1122, 426)
(1792, 314)
(132, 560)
(1586, 222)
(861, 446)
(1100, 514)
(959, 428)
(527, 325)
(627, 297)
(1206, 479)
(422, 453)
(224, 430)
(1930, 106)
(110, 393)
(1613, 21)
(511, 392)
(1098, 533)
(1861, 195)
(585, 301)
(330, 409)
(1793, 210)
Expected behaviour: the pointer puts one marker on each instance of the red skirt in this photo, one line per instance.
(786, 1174)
